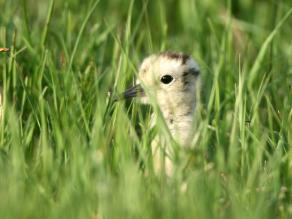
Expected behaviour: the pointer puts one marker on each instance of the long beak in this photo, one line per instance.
(134, 91)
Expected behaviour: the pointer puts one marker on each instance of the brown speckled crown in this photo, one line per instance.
(176, 55)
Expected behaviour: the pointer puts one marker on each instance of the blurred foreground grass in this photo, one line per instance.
(67, 152)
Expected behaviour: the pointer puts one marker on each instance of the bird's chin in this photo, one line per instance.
(143, 100)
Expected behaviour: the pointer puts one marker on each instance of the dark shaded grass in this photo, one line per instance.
(67, 151)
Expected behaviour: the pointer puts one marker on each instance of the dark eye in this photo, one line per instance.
(166, 79)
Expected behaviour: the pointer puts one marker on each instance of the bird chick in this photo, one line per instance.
(170, 80)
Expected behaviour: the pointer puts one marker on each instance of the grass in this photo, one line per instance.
(67, 151)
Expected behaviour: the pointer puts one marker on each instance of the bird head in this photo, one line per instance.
(169, 78)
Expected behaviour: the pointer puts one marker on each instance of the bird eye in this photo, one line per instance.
(166, 79)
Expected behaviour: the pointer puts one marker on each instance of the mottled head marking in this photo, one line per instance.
(175, 55)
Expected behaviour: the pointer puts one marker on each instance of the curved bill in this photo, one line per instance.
(135, 91)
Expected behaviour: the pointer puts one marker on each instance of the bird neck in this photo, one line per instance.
(179, 120)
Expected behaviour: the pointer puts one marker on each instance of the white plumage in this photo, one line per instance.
(170, 81)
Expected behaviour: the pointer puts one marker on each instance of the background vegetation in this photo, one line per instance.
(67, 151)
